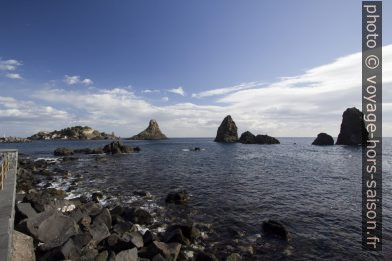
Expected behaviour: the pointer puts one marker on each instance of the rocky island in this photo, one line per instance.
(152, 132)
(227, 133)
(352, 129)
(73, 133)
(323, 139)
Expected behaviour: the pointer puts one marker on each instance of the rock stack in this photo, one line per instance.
(323, 139)
(152, 132)
(227, 131)
(248, 138)
(352, 129)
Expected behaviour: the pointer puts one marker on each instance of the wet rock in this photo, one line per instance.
(323, 139)
(22, 247)
(138, 216)
(152, 132)
(189, 231)
(247, 138)
(127, 255)
(265, 139)
(272, 228)
(117, 147)
(142, 193)
(32, 224)
(227, 131)
(352, 129)
(136, 239)
(63, 152)
(178, 197)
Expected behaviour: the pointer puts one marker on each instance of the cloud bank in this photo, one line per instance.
(301, 105)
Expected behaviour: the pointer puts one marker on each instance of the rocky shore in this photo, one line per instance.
(54, 226)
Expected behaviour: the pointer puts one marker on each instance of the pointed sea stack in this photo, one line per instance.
(151, 133)
(227, 131)
(323, 139)
(352, 130)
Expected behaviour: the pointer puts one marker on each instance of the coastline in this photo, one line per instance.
(164, 232)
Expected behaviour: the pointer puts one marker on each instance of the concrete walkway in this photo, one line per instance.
(7, 204)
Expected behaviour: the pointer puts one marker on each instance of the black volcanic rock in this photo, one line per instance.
(227, 131)
(63, 152)
(323, 139)
(247, 138)
(117, 147)
(265, 139)
(152, 132)
(352, 129)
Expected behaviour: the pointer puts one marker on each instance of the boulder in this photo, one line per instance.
(99, 231)
(103, 256)
(177, 197)
(323, 139)
(69, 251)
(272, 228)
(56, 230)
(227, 131)
(138, 216)
(176, 236)
(22, 247)
(63, 152)
(247, 138)
(233, 257)
(127, 255)
(24, 210)
(168, 251)
(104, 217)
(265, 139)
(352, 129)
(117, 147)
(152, 132)
(189, 231)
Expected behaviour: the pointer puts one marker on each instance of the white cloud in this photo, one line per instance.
(165, 99)
(72, 80)
(179, 91)
(150, 91)
(9, 65)
(14, 76)
(226, 90)
(8, 68)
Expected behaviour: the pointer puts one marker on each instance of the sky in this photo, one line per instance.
(282, 68)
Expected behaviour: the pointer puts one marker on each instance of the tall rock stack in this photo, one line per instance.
(153, 132)
(227, 131)
(352, 130)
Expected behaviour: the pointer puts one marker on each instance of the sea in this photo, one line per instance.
(315, 191)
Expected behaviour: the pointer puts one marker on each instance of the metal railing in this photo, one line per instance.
(8, 159)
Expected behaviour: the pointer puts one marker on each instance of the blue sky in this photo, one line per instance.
(177, 61)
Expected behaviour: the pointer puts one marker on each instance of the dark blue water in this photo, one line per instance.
(315, 191)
